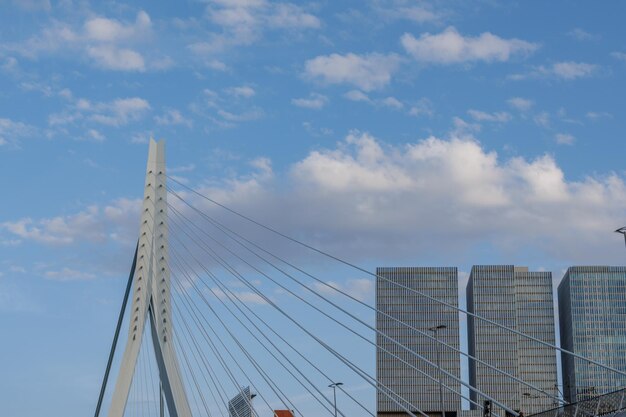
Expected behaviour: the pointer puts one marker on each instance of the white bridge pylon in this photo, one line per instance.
(151, 296)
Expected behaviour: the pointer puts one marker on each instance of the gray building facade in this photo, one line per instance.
(420, 313)
(523, 301)
(592, 316)
(241, 404)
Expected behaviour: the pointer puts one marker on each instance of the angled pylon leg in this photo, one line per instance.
(151, 296)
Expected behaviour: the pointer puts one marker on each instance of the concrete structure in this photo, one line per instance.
(422, 314)
(241, 404)
(523, 301)
(592, 315)
(151, 296)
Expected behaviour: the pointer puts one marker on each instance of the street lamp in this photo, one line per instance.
(435, 329)
(334, 385)
(622, 230)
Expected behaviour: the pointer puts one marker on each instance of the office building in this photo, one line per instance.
(592, 315)
(241, 404)
(523, 301)
(422, 314)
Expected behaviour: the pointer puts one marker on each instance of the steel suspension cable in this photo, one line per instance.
(154, 396)
(360, 372)
(216, 352)
(364, 375)
(229, 233)
(352, 265)
(195, 381)
(152, 318)
(285, 341)
(225, 367)
(208, 367)
(363, 337)
(251, 359)
(179, 344)
(225, 290)
(213, 277)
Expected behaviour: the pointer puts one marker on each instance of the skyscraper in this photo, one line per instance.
(523, 301)
(592, 316)
(241, 404)
(423, 314)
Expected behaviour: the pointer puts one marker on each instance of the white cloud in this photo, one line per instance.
(244, 22)
(110, 57)
(314, 101)
(596, 115)
(619, 55)
(172, 117)
(367, 72)
(242, 91)
(107, 43)
(116, 221)
(10, 65)
(392, 102)
(11, 132)
(450, 47)
(67, 274)
(243, 18)
(356, 95)
(33, 5)
(582, 35)
(366, 198)
(423, 107)
(59, 230)
(224, 112)
(520, 103)
(498, 117)
(564, 139)
(94, 135)
(315, 131)
(416, 14)
(571, 70)
(463, 129)
(542, 119)
(118, 112)
(247, 116)
(565, 70)
(110, 30)
(287, 15)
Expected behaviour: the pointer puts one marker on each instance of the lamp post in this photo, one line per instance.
(529, 396)
(622, 231)
(435, 329)
(334, 385)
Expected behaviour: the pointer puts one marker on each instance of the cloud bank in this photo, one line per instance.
(364, 198)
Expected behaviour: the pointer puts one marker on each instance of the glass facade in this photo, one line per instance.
(523, 301)
(241, 404)
(421, 313)
(592, 316)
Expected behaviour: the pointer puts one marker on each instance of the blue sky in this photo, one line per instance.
(387, 132)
